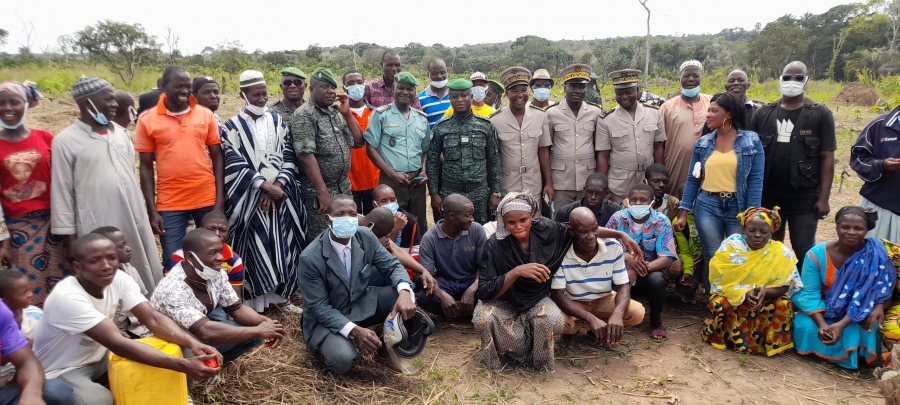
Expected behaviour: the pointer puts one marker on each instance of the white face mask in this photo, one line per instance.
(205, 272)
(792, 88)
(478, 93)
(439, 84)
(255, 110)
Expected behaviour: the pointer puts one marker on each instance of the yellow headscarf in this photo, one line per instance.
(736, 269)
(770, 216)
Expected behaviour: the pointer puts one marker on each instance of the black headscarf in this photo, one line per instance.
(548, 246)
(868, 214)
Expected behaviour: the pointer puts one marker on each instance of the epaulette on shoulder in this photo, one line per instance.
(420, 112)
(537, 108)
(494, 113)
(604, 114)
(550, 106)
(442, 120)
(384, 108)
(600, 106)
(651, 103)
(480, 117)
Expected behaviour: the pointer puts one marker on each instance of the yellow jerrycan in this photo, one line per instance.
(133, 383)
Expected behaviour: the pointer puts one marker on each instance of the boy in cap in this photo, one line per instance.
(630, 137)
(323, 136)
(471, 164)
(524, 138)
(293, 85)
(541, 83)
(572, 127)
(479, 93)
(398, 141)
(494, 96)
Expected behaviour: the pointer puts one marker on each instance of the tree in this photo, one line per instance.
(314, 52)
(122, 47)
(172, 44)
(3, 34)
(647, 57)
(893, 13)
(586, 58)
(66, 46)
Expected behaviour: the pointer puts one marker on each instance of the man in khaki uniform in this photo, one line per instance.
(572, 125)
(630, 137)
(524, 134)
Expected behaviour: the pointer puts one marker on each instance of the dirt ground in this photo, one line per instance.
(681, 369)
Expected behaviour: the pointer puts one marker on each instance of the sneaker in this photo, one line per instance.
(190, 401)
(291, 309)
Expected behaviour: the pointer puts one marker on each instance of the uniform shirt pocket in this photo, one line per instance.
(619, 134)
(451, 148)
(561, 127)
(650, 128)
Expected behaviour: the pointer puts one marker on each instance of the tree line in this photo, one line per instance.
(844, 43)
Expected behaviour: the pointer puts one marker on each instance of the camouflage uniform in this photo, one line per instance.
(593, 96)
(471, 160)
(282, 109)
(324, 133)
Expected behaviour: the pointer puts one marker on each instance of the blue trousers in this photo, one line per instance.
(716, 219)
(432, 303)
(176, 223)
(56, 392)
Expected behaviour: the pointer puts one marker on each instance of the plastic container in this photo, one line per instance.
(133, 383)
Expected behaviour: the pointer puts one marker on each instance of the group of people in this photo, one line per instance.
(549, 218)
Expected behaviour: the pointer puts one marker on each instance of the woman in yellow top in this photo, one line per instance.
(479, 92)
(752, 279)
(726, 176)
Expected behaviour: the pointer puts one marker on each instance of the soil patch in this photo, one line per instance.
(858, 94)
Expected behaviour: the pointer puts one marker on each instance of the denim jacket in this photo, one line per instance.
(751, 166)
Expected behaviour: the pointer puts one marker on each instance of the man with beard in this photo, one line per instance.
(293, 85)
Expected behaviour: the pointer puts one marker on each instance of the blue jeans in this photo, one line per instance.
(363, 200)
(432, 303)
(56, 392)
(176, 223)
(716, 219)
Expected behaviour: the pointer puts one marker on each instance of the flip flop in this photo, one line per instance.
(658, 333)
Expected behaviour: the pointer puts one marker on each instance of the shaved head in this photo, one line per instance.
(83, 244)
(456, 203)
(582, 217)
(795, 65)
(739, 73)
(382, 221)
(382, 190)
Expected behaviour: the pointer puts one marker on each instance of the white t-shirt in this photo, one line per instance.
(588, 281)
(69, 311)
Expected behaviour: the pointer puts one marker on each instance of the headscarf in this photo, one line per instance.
(692, 62)
(867, 214)
(770, 216)
(29, 157)
(514, 201)
(27, 91)
(866, 278)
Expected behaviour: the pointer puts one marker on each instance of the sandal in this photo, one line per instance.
(658, 333)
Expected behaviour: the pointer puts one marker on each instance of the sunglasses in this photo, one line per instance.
(796, 78)
(288, 83)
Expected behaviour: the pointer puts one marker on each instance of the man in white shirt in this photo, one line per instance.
(583, 286)
(197, 286)
(339, 306)
(77, 330)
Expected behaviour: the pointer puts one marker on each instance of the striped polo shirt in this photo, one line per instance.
(433, 106)
(588, 281)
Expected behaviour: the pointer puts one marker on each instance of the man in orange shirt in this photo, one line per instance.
(363, 173)
(184, 142)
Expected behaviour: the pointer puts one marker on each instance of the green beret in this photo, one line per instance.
(324, 75)
(496, 86)
(406, 78)
(293, 72)
(459, 84)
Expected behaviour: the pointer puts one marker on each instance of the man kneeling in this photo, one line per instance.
(198, 286)
(339, 305)
(583, 288)
(77, 330)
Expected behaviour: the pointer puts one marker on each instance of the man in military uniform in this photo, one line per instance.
(541, 84)
(398, 141)
(471, 166)
(494, 97)
(593, 92)
(524, 138)
(293, 85)
(572, 126)
(630, 137)
(323, 135)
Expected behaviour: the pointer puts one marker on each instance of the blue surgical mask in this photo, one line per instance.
(344, 227)
(394, 207)
(691, 92)
(21, 122)
(356, 92)
(541, 94)
(639, 211)
(97, 115)
(478, 93)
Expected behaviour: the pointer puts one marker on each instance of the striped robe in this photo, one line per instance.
(269, 243)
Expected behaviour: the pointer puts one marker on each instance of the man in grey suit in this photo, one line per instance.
(339, 306)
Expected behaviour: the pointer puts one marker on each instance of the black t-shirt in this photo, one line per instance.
(780, 174)
(607, 209)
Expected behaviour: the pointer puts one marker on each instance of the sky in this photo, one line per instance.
(272, 25)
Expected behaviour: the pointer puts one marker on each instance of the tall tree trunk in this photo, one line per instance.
(647, 56)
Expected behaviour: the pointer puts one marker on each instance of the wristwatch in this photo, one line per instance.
(497, 194)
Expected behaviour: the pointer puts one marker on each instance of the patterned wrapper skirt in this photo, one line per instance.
(526, 338)
(40, 255)
(768, 330)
